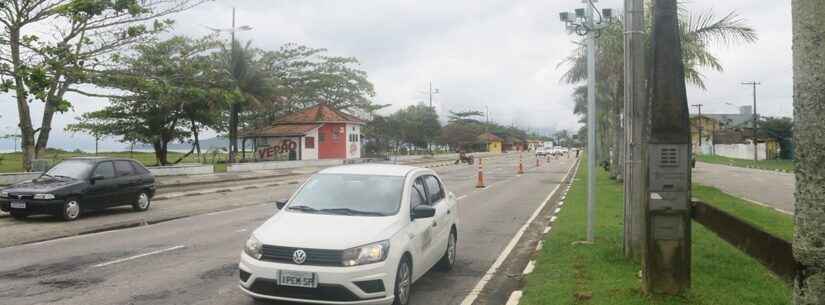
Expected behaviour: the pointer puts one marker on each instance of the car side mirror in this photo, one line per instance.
(96, 178)
(280, 203)
(423, 211)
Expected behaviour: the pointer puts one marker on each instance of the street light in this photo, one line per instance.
(755, 117)
(235, 107)
(582, 22)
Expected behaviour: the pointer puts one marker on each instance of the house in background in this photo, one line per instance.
(494, 143)
(730, 135)
(315, 133)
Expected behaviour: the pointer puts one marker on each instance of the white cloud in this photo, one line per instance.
(499, 53)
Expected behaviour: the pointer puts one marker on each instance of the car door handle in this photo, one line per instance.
(449, 211)
(435, 224)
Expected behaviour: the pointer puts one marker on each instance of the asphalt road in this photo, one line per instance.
(193, 260)
(770, 188)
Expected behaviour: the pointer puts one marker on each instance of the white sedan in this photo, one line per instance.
(358, 234)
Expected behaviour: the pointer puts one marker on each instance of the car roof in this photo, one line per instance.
(371, 169)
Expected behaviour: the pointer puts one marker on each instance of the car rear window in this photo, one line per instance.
(123, 168)
(139, 169)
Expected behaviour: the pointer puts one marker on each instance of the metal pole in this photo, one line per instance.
(431, 94)
(591, 124)
(755, 118)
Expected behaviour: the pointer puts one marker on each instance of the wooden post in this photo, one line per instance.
(666, 261)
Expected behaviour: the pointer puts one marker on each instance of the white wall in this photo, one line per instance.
(307, 153)
(740, 151)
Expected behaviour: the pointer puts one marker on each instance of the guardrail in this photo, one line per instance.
(773, 252)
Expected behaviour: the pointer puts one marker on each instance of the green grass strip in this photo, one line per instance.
(783, 165)
(600, 274)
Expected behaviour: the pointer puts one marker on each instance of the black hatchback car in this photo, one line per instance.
(80, 184)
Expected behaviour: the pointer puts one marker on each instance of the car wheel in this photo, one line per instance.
(403, 282)
(448, 260)
(142, 202)
(19, 215)
(71, 209)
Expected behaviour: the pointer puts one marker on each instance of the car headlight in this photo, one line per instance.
(367, 254)
(44, 196)
(4, 194)
(253, 247)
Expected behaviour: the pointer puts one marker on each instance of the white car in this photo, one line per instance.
(357, 234)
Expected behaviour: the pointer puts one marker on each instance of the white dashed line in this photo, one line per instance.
(515, 298)
(530, 267)
(117, 261)
(461, 197)
(547, 229)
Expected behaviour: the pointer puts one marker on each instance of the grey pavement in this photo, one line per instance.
(193, 260)
(770, 188)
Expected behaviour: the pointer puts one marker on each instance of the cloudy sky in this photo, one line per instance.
(501, 54)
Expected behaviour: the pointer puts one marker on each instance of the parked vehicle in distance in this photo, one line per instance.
(357, 234)
(79, 184)
(542, 151)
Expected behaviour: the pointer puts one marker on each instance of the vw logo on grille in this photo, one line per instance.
(299, 256)
(19, 196)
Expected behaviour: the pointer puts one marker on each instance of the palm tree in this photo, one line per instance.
(809, 100)
(248, 85)
(698, 33)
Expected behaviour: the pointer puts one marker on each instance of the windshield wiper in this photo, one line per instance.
(303, 208)
(348, 211)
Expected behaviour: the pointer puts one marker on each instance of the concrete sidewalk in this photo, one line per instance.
(769, 188)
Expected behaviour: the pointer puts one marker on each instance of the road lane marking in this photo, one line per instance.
(553, 219)
(461, 197)
(557, 210)
(479, 287)
(529, 268)
(117, 261)
(515, 298)
(547, 229)
(540, 246)
(241, 230)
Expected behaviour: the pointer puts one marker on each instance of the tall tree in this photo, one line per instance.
(249, 85)
(167, 86)
(809, 136)
(50, 46)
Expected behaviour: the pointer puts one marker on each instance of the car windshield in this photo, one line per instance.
(357, 195)
(71, 168)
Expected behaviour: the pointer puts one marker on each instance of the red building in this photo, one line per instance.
(319, 132)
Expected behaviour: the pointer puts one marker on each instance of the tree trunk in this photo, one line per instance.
(161, 152)
(23, 112)
(235, 108)
(809, 137)
(54, 96)
(197, 143)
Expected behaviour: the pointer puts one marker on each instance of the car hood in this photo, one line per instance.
(42, 185)
(324, 231)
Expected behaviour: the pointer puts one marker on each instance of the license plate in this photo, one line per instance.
(297, 279)
(18, 205)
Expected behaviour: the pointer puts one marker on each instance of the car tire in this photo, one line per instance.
(403, 282)
(448, 260)
(142, 202)
(71, 209)
(19, 215)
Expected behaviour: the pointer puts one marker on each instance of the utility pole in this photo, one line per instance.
(636, 116)
(235, 107)
(431, 92)
(667, 257)
(755, 118)
(583, 24)
(699, 107)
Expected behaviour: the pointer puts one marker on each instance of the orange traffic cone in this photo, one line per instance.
(480, 183)
(520, 165)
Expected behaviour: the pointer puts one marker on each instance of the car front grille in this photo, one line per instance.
(315, 257)
(324, 292)
(20, 196)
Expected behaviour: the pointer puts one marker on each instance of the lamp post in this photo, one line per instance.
(235, 108)
(755, 117)
(582, 22)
